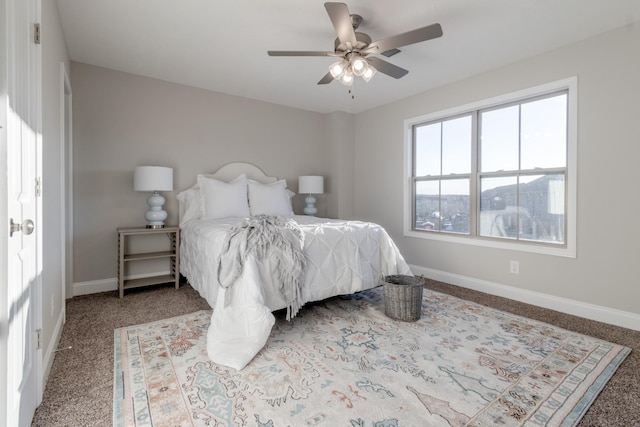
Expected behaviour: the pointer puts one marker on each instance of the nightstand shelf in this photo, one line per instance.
(148, 255)
(125, 258)
(147, 281)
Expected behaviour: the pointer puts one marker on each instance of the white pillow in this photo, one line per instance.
(191, 201)
(223, 200)
(269, 199)
(191, 206)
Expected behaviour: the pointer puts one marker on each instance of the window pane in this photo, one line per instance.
(427, 205)
(499, 139)
(454, 205)
(544, 133)
(531, 210)
(456, 146)
(428, 143)
(498, 207)
(542, 208)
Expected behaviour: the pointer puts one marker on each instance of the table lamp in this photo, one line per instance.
(310, 185)
(154, 179)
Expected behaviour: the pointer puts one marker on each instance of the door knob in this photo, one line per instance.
(26, 227)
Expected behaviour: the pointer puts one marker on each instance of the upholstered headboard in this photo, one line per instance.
(229, 172)
(232, 170)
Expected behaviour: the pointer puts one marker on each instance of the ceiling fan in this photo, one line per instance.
(354, 48)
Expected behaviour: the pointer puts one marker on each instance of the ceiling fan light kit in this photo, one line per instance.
(355, 47)
(352, 65)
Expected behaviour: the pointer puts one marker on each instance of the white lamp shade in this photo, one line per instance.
(368, 73)
(347, 78)
(153, 178)
(337, 69)
(358, 65)
(310, 184)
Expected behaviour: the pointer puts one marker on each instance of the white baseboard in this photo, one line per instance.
(599, 313)
(49, 354)
(95, 286)
(106, 285)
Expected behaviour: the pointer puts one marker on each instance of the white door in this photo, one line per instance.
(23, 137)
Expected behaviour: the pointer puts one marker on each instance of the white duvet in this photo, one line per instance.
(342, 257)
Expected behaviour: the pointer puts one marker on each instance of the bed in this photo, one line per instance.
(340, 257)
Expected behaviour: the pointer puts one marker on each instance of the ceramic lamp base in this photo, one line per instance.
(155, 216)
(310, 209)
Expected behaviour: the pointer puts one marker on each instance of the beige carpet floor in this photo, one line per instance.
(79, 390)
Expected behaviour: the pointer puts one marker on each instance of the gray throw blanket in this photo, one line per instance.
(263, 236)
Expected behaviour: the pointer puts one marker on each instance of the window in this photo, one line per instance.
(442, 171)
(497, 173)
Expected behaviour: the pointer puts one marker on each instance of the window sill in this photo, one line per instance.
(560, 251)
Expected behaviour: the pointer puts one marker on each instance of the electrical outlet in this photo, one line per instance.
(514, 267)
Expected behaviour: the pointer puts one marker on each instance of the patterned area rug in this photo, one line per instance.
(343, 362)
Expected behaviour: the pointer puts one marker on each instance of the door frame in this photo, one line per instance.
(4, 219)
(36, 294)
(66, 138)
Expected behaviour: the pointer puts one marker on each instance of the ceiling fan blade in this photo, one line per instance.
(341, 20)
(386, 67)
(328, 78)
(299, 53)
(410, 37)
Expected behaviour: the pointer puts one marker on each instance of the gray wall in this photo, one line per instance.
(340, 147)
(122, 121)
(604, 272)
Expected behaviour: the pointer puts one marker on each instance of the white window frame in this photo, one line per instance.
(569, 249)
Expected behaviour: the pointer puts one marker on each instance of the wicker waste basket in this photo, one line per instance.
(403, 297)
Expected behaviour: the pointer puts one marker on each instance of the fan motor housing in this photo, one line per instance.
(363, 41)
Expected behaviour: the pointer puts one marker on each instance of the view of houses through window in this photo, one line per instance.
(496, 173)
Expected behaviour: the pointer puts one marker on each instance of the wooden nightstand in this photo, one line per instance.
(125, 258)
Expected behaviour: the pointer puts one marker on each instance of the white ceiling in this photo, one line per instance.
(221, 45)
